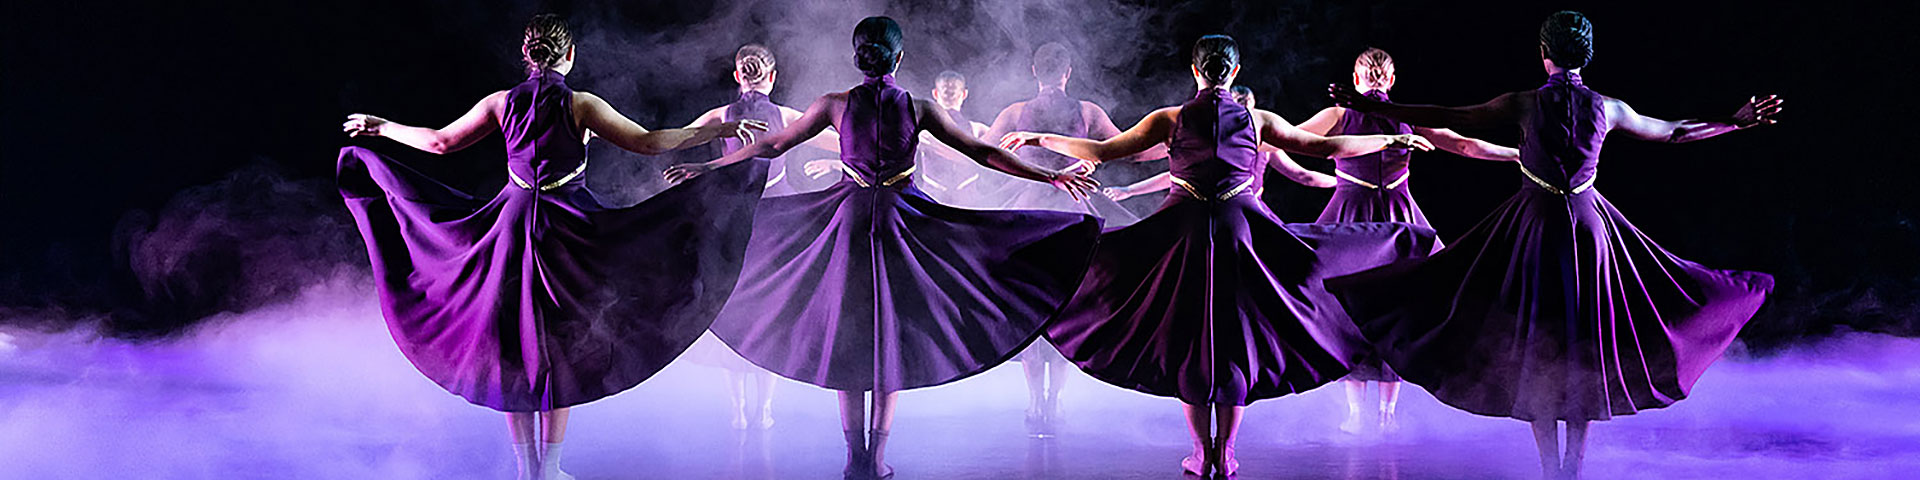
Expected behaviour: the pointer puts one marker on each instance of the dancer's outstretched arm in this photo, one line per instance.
(827, 140)
(601, 118)
(1501, 111)
(1323, 121)
(1100, 127)
(1154, 183)
(481, 120)
(816, 119)
(1757, 111)
(1446, 139)
(1277, 132)
(1286, 167)
(1154, 129)
(935, 121)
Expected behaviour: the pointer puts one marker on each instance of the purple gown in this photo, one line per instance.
(1373, 188)
(782, 174)
(870, 285)
(1211, 299)
(961, 181)
(1554, 306)
(540, 297)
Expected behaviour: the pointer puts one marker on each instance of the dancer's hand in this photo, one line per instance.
(363, 125)
(1014, 140)
(1079, 185)
(741, 129)
(1344, 95)
(1083, 167)
(1412, 141)
(1758, 111)
(686, 171)
(1117, 193)
(820, 168)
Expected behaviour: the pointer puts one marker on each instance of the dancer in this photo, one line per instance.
(540, 298)
(755, 74)
(1053, 111)
(753, 70)
(1271, 156)
(870, 286)
(1555, 308)
(1211, 300)
(946, 175)
(1375, 188)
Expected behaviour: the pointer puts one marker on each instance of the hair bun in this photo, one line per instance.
(874, 59)
(1216, 67)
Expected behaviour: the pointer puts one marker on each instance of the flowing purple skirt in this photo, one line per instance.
(857, 289)
(1355, 203)
(1554, 307)
(1219, 303)
(531, 301)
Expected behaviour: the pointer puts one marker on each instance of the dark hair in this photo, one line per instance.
(1215, 56)
(1377, 63)
(754, 62)
(876, 45)
(546, 41)
(950, 76)
(1052, 61)
(1566, 38)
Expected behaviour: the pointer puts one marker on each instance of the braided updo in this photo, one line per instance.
(1377, 66)
(546, 42)
(754, 62)
(1215, 56)
(1566, 38)
(876, 45)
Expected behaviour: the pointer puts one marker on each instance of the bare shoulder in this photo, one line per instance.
(1091, 108)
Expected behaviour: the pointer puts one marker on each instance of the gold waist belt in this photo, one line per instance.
(896, 178)
(1577, 189)
(1223, 196)
(522, 183)
(1396, 183)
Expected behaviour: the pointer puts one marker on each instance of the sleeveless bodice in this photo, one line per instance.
(1561, 135)
(752, 105)
(1385, 167)
(1052, 111)
(544, 147)
(1213, 145)
(878, 134)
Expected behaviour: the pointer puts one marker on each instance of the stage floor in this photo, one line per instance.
(314, 389)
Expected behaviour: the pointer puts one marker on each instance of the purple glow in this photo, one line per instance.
(314, 388)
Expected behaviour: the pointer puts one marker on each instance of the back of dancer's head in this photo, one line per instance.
(1051, 64)
(1242, 95)
(1374, 70)
(1566, 38)
(753, 63)
(546, 42)
(1215, 57)
(876, 45)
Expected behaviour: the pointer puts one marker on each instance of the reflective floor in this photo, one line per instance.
(314, 389)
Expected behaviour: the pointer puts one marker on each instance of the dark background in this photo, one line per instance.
(166, 161)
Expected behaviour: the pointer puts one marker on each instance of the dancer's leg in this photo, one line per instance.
(1546, 438)
(1389, 404)
(853, 424)
(737, 391)
(553, 430)
(1056, 381)
(1356, 396)
(764, 380)
(1200, 423)
(1227, 429)
(882, 428)
(1576, 449)
(526, 455)
(1036, 372)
